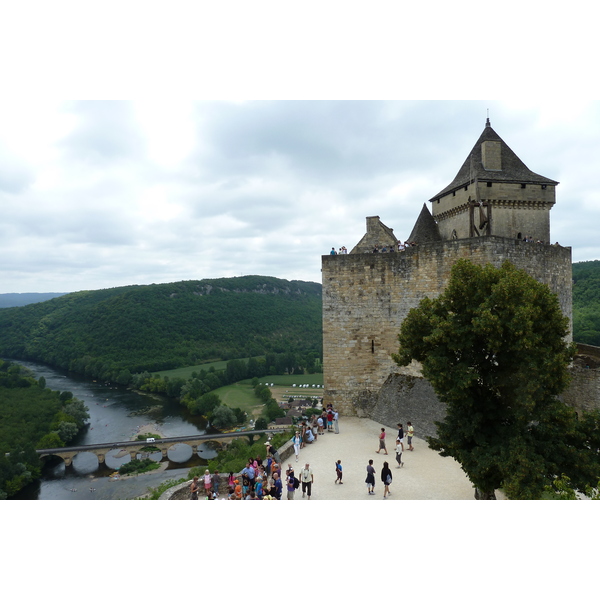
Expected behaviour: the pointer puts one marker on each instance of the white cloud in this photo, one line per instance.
(103, 194)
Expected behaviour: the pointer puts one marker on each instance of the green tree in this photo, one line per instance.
(78, 410)
(67, 431)
(493, 347)
(223, 417)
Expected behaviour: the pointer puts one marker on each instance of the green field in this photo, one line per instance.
(186, 372)
(239, 395)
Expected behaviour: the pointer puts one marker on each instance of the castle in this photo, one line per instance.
(495, 209)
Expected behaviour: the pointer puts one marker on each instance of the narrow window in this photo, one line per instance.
(372, 346)
(489, 184)
(523, 186)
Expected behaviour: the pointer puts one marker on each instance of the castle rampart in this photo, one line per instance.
(367, 296)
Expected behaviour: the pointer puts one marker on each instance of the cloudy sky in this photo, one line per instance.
(99, 194)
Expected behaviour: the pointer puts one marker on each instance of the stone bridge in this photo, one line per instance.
(135, 446)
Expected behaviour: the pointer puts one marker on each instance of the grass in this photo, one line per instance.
(239, 395)
(186, 372)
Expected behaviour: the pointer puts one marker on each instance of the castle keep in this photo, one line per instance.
(486, 214)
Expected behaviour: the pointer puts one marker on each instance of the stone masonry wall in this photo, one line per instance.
(367, 296)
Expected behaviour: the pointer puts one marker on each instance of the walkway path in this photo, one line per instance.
(425, 474)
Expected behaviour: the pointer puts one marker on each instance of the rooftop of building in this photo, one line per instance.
(513, 169)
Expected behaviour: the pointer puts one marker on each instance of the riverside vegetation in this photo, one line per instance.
(31, 417)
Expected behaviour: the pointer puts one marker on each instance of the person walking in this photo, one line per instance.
(400, 435)
(336, 421)
(297, 441)
(289, 482)
(386, 478)
(399, 450)
(370, 480)
(338, 472)
(307, 479)
(382, 441)
(409, 435)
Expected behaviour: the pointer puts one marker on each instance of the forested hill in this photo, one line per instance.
(586, 302)
(161, 326)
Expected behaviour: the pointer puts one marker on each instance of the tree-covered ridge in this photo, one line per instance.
(106, 333)
(586, 302)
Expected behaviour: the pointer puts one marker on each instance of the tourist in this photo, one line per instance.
(277, 487)
(400, 435)
(338, 472)
(320, 425)
(238, 490)
(382, 441)
(207, 481)
(194, 487)
(289, 481)
(330, 420)
(409, 435)
(386, 478)
(310, 438)
(231, 480)
(307, 479)
(215, 482)
(258, 487)
(336, 421)
(272, 450)
(370, 480)
(297, 441)
(231, 494)
(399, 450)
(333, 252)
(245, 484)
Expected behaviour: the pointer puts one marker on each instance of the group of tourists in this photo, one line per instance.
(342, 250)
(386, 473)
(399, 247)
(264, 480)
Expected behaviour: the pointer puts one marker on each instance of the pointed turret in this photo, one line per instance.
(425, 229)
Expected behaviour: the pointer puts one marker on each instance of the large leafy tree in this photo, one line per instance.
(493, 347)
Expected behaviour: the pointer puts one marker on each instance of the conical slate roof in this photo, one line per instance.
(425, 229)
(513, 168)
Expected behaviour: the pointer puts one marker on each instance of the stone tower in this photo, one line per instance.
(484, 215)
(494, 193)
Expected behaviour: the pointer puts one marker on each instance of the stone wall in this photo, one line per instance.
(367, 296)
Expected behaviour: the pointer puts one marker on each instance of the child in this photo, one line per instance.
(238, 490)
(338, 472)
(258, 488)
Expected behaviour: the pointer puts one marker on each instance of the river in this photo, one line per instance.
(116, 414)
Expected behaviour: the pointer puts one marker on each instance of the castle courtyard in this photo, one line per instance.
(425, 474)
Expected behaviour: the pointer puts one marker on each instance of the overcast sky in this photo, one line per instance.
(99, 194)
